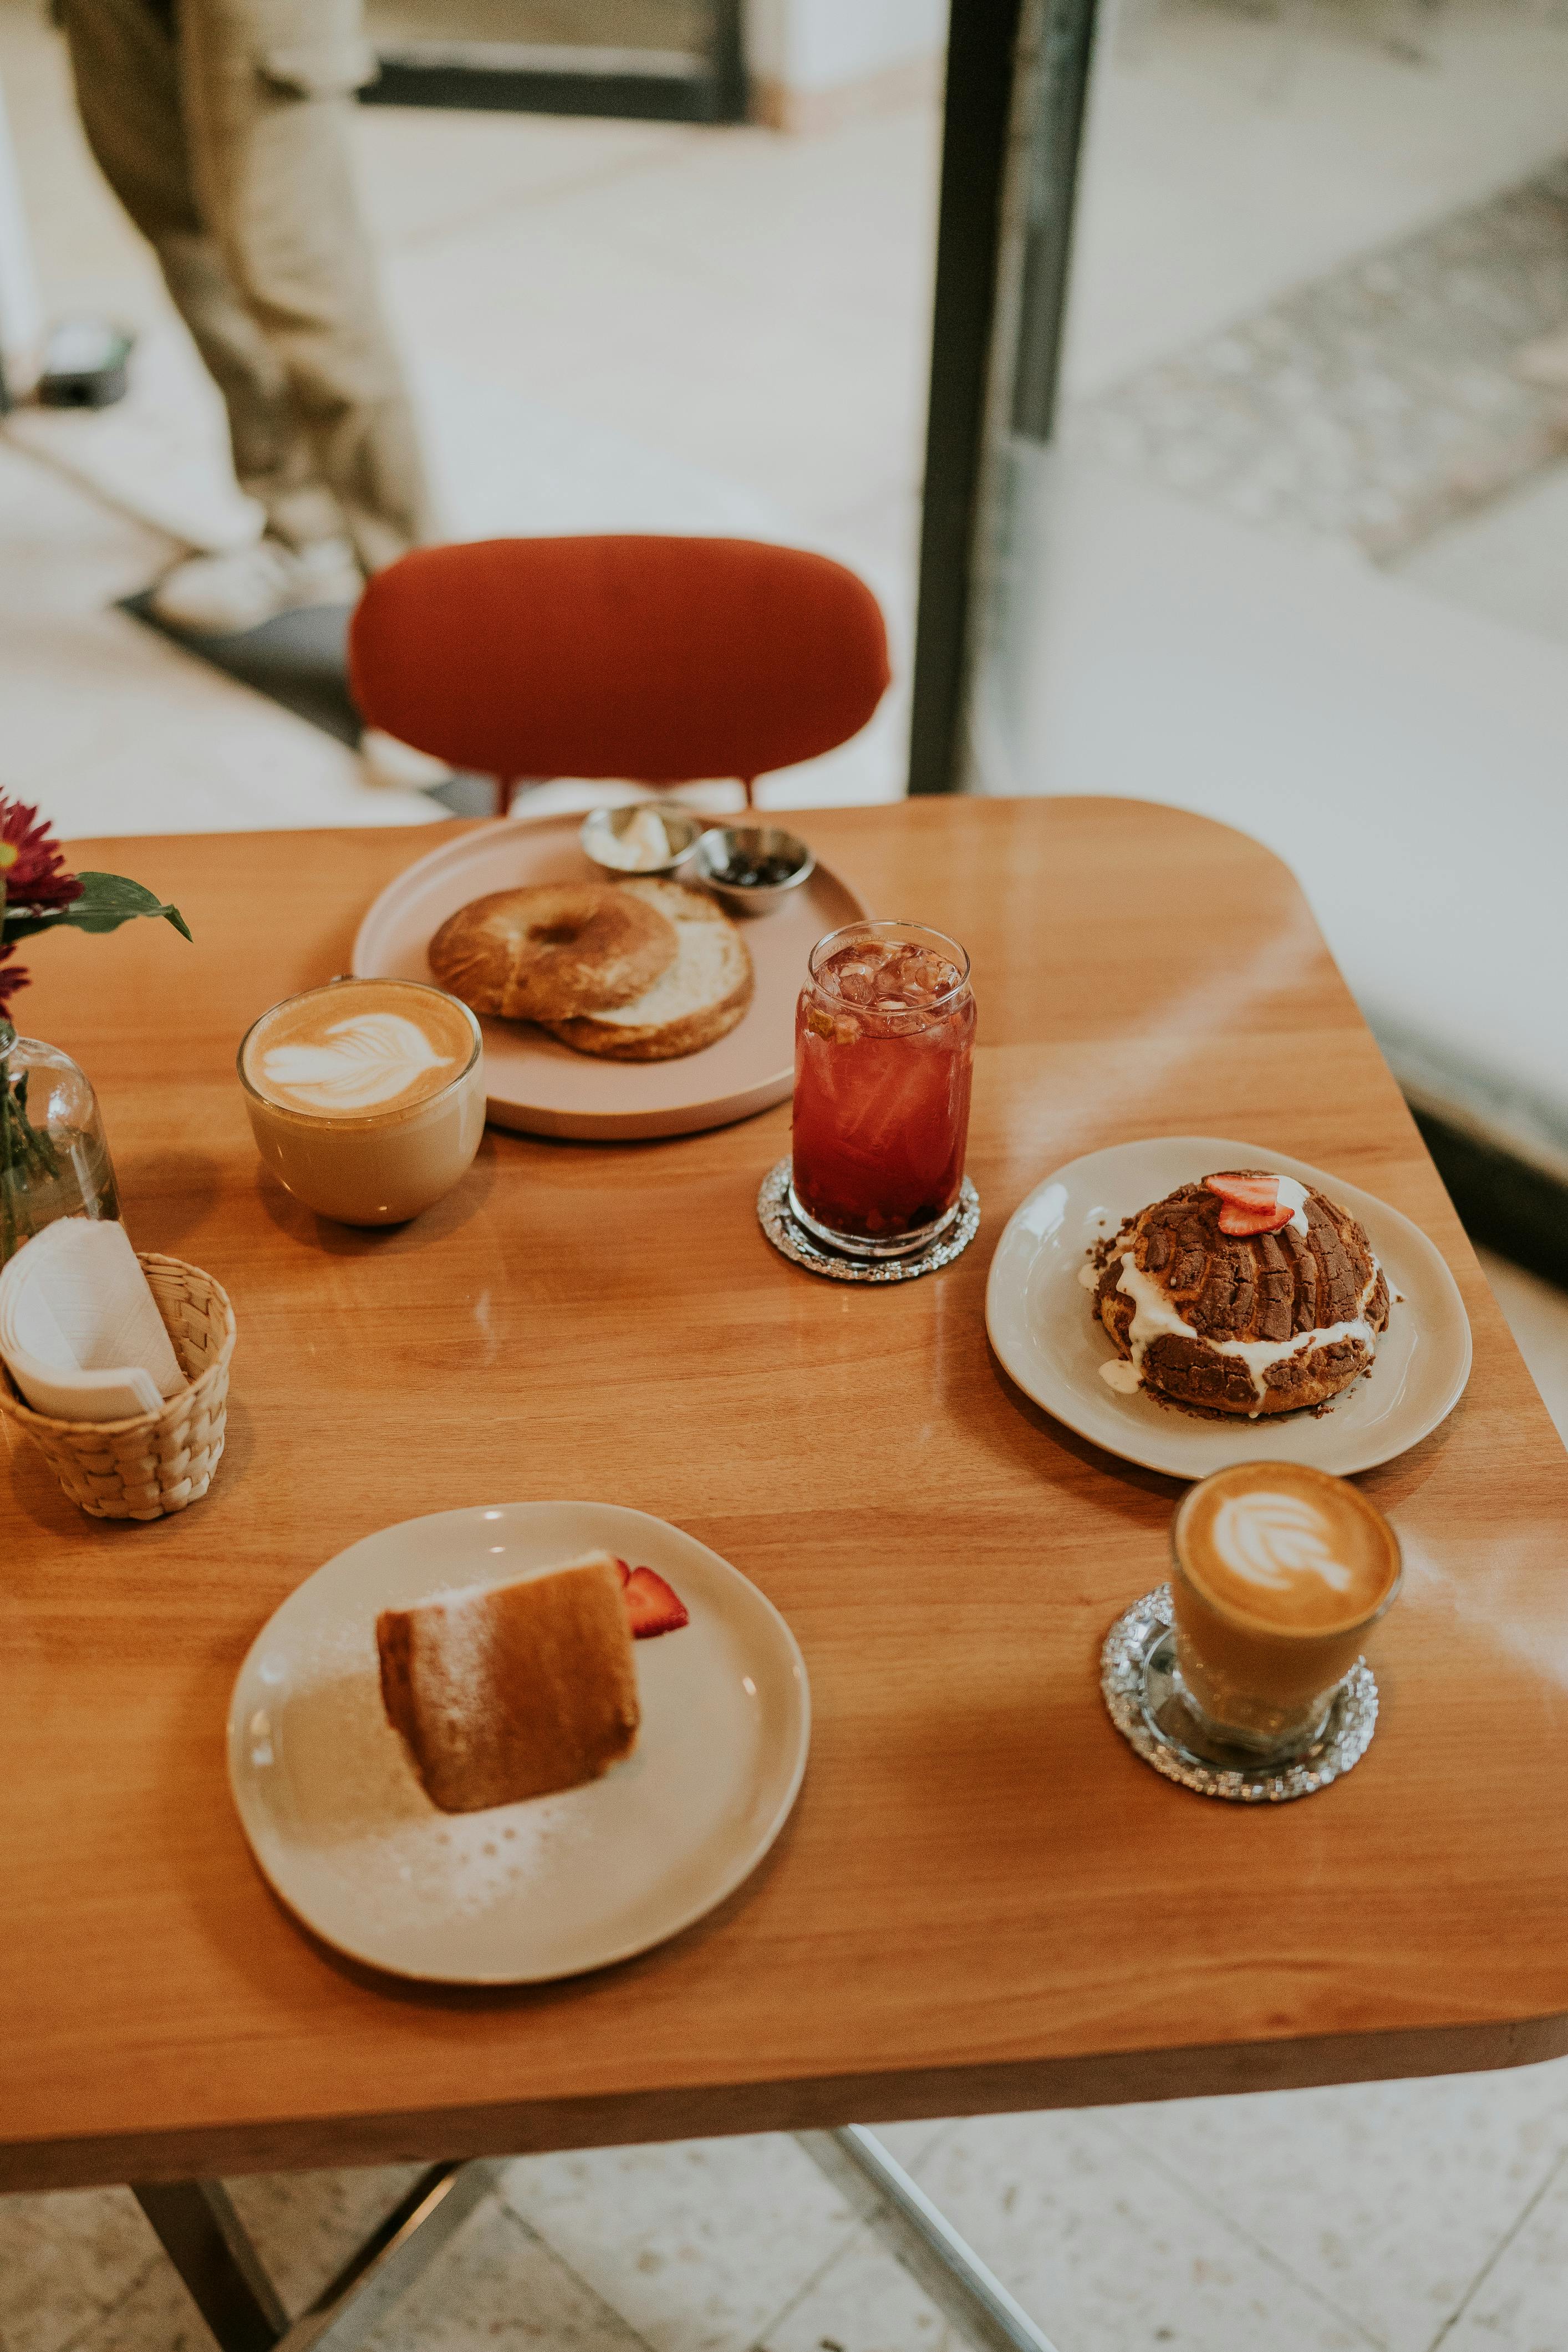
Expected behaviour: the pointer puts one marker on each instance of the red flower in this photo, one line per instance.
(33, 873)
(10, 979)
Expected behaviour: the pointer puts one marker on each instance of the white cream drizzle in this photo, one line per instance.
(1293, 1196)
(1155, 1316)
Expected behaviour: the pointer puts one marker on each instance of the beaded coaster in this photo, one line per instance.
(1146, 1703)
(792, 1240)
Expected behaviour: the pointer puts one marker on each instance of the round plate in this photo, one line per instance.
(543, 1088)
(518, 1894)
(1037, 1313)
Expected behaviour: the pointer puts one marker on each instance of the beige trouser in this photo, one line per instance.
(220, 124)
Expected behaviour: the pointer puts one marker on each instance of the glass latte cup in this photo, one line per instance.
(1279, 1573)
(366, 1097)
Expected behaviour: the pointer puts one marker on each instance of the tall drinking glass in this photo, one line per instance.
(1278, 1574)
(884, 1043)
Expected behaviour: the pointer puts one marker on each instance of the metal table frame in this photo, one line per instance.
(208, 2244)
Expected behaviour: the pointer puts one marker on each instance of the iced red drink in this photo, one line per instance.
(884, 1042)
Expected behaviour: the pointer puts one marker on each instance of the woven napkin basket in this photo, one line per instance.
(159, 1462)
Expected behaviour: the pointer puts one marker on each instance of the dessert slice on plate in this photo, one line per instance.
(506, 1691)
(519, 1649)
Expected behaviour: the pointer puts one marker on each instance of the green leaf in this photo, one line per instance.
(107, 900)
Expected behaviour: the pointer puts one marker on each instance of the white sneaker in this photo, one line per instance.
(220, 595)
(389, 761)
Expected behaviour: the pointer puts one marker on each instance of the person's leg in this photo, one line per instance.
(126, 65)
(266, 87)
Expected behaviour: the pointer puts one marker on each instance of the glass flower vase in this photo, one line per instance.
(54, 1161)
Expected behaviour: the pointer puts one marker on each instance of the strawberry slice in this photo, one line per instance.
(1252, 1203)
(623, 1567)
(651, 1607)
(1234, 1219)
(1247, 1192)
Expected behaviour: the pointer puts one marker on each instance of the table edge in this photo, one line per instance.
(1108, 2078)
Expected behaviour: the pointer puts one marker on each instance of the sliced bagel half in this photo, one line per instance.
(696, 1000)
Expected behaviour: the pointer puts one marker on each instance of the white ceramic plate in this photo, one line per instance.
(1038, 1315)
(348, 1838)
(538, 1085)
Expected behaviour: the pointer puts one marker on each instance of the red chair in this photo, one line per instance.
(660, 660)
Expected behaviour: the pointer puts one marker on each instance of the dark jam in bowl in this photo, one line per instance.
(756, 873)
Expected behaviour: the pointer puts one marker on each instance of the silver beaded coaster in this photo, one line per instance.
(792, 1240)
(1148, 1706)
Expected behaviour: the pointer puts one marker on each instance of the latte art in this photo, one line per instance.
(360, 1064)
(366, 1097)
(1281, 1544)
(1269, 1540)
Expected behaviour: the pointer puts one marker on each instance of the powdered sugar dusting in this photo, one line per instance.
(359, 1809)
(455, 1671)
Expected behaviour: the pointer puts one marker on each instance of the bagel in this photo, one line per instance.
(552, 951)
(693, 1004)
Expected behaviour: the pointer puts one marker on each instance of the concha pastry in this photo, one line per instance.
(1241, 1321)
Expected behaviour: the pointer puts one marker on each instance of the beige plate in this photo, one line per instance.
(1038, 1316)
(544, 1087)
(348, 1838)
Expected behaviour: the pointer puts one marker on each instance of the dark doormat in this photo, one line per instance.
(1503, 1203)
(299, 659)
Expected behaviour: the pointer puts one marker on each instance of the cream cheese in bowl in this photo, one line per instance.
(640, 839)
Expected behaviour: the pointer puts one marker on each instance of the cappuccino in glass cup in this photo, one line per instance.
(366, 1097)
(1279, 1573)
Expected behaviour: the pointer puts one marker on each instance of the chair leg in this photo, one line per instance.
(746, 785)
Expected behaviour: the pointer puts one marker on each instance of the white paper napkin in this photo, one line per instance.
(80, 1329)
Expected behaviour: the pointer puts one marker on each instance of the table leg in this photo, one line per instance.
(923, 2240)
(207, 2243)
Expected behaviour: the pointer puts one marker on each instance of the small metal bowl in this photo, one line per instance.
(603, 827)
(725, 846)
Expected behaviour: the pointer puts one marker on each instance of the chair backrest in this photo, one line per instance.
(659, 659)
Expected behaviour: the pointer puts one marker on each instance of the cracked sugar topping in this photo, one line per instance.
(1251, 1271)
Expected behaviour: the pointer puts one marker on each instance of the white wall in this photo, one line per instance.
(820, 44)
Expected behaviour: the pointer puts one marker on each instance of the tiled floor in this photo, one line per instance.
(650, 326)
(112, 729)
(609, 325)
(1371, 405)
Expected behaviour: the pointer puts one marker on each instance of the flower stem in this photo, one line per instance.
(27, 1153)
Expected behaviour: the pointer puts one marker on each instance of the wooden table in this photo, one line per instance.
(982, 1901)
